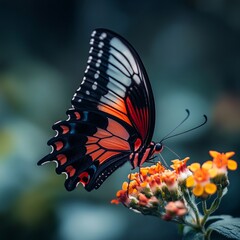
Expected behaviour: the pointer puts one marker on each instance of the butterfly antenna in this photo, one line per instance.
(174, 153)
(161, 159)
(189, 130)
(167, 136)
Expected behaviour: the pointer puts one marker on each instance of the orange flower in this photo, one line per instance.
(169, 178)
(181, 169)
(222, 162)
(201, 180)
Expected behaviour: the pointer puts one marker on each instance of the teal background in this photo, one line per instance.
(191, 52)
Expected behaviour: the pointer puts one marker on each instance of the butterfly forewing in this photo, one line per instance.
(112, 108)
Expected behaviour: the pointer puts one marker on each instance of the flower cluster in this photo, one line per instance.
(170, 193)
(212, 175)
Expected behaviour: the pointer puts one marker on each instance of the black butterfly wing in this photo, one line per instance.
(112, 108)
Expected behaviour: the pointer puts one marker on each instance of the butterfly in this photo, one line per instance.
(112, 118)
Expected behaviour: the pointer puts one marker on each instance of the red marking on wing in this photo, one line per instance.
(114, 112)
(91, 140)
(117, 129)
(135, 160)
(107, 155)
(65, 129)
(59, 145)
(77, 114)
(114, 143)
(84, 178)
(145, 156)
(70, 170)
(61, 158)
(91, 148)
(139, 117)
(137, 144)
(102, 133)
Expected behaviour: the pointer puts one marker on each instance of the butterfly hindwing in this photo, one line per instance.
(112, 108)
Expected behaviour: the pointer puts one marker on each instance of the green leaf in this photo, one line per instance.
(229, 227)
(192, 234)
(218, 217)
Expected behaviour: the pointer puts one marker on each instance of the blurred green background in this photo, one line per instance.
(191, 50)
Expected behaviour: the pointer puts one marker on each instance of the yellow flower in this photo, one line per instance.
(200, 181)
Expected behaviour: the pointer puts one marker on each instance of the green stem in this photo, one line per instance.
(214, 206)
(193, 207)
(204, 207)
(208, 234)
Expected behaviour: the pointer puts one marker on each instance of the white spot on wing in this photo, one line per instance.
(87, 69)
(93, 33)
(100, 53)
(87, 92)
(94, 86)
(68, 118)
(101, 44)
(91, 41)
(83, 81)
(136, 78)
(89, 59)
(74, 96)
(65, 174)
(52, 149)
(103, 35)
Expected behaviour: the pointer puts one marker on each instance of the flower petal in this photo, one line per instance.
(198, 190)
(212, 172)
(232, 165)
(214, 153)
(207, 165)
(194, 166)
(229, 154)
(125, 186)
(210, 188)
(190, 181)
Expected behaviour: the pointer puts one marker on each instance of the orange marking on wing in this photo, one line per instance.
(137, 144)
(117, 129)
(120, 105)
(91, 140)
(65, 129)
(114, 143)
(106, 156)
(96, 154)
(59, 145)
(70, 170)
(77, 114)
(91, 148)
(115, 113)
(61, 158)
(102, 133)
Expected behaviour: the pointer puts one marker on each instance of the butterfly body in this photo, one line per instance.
(112, 118)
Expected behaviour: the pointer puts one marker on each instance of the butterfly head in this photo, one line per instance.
(158, 147)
